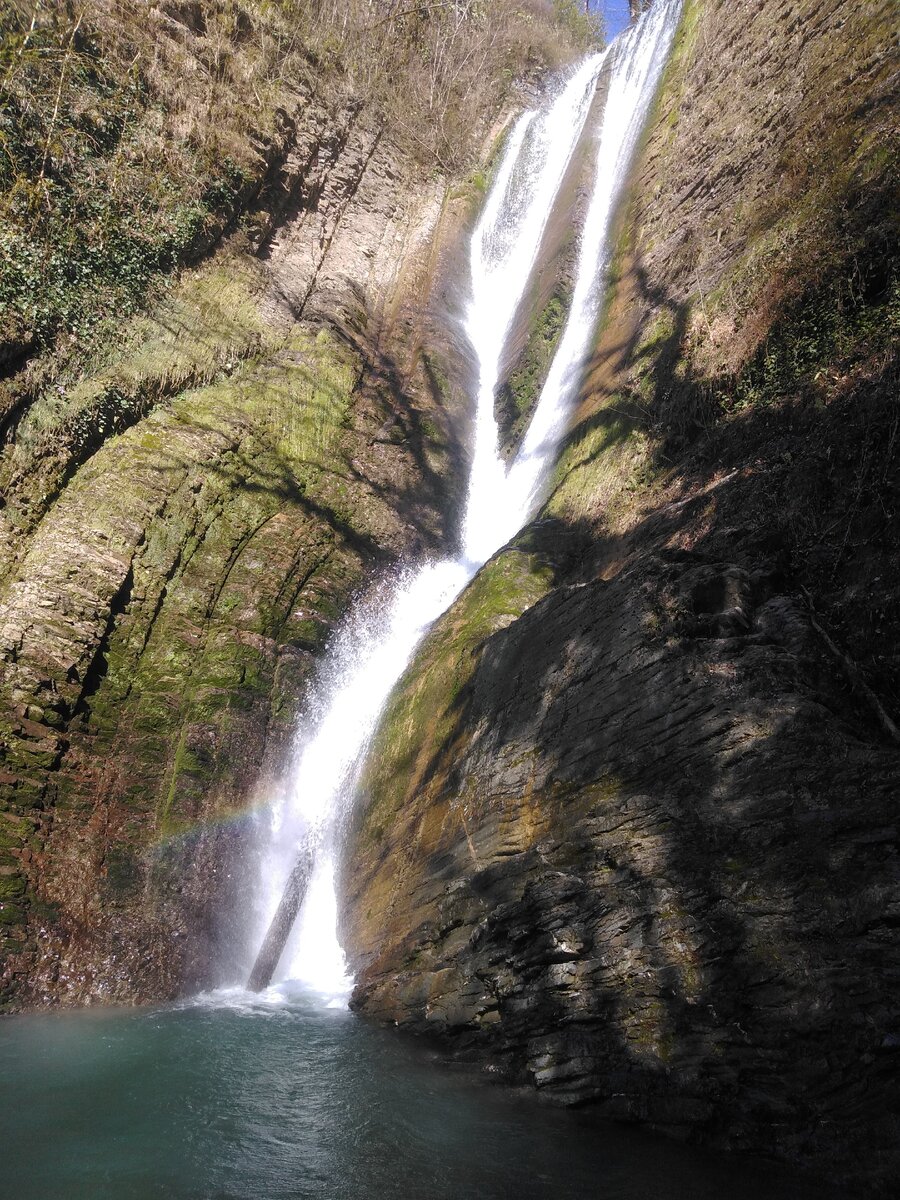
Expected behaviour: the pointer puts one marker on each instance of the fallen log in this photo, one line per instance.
(273, 943)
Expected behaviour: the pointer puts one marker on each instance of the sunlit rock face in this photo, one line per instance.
(628, 830)
(255, 447)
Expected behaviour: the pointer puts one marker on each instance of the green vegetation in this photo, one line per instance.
(671, 87)
(264, 438)
(602, 463)
(210, 467)
(205, 326)
(425, 709)
(666, 405)
(116, 161)
(809, 298)
(131, 138)
(585, 28)
(839, 324)
(516, 400)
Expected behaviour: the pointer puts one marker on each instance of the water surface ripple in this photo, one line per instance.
(280, 1099)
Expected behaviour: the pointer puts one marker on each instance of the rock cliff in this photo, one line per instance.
(629, 829)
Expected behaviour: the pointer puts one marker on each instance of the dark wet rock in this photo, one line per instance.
(639, 848)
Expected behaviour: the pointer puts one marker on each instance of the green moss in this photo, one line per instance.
(834, 324)
(31, 756)
(14, 831)
(422, 715)
(204, 327)
(294, 406)
(655, 336)
(11, 914)
(671, 87)
(41, 910)
(12, 887)
(600, 462)
(479, 182)
(279, 428)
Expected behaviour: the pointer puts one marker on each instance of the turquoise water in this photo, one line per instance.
(248, 1102)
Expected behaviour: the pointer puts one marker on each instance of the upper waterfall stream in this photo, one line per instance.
(378, 640)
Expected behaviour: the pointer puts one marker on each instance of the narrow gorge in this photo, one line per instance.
(457, 502)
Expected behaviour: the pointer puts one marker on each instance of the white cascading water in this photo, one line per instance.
(377, 642)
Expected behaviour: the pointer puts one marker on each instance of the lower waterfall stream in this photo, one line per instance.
(279, 1091)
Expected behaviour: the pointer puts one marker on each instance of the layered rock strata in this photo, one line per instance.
(183, 524)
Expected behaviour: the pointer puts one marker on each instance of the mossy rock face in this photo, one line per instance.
(428, 706)
(517, 397)
(189, 510)
(14, 831)
(179, 696)
(11, 887)
(11, 914)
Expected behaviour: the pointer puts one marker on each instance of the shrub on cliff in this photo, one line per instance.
(132, 133)
(435, 69)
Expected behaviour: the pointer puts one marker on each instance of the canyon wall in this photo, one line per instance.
(629, 829)
(231, 248)
(628, 833)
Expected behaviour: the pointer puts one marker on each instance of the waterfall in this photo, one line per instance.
(377, 642)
